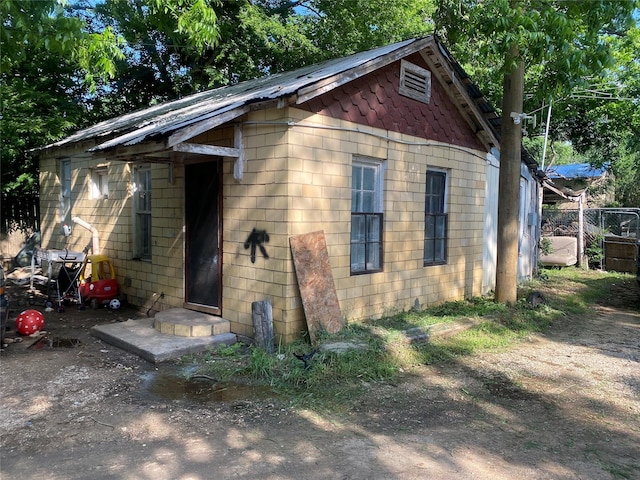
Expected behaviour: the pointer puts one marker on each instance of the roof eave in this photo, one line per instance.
(444, 66)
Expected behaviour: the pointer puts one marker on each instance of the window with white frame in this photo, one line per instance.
(435, 218)
(366, 216)
(65, 191)
(99, 183)
(142, 212)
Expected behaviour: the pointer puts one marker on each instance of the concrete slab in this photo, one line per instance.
(342, 347)
(140, 338)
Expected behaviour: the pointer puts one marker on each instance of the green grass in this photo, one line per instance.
(331, 377)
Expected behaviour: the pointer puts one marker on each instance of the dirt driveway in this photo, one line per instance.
(563, 405)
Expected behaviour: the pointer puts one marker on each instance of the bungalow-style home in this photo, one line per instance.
(387, 152)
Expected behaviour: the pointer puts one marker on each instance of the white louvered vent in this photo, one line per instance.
(415, 82)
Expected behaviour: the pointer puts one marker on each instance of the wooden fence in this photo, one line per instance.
(20, 218)
(20, 212)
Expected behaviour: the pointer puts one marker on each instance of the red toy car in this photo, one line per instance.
(98, 285)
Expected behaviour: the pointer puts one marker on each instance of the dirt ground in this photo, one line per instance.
(563, 405)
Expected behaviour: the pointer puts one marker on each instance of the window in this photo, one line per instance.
(415, 82)
(366, 217)
(142, 212)
(435, 219)
(99, 183)
(65, 192)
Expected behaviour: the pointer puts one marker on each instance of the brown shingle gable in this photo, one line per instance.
(374, 100)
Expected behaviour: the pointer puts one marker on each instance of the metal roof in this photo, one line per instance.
(170, 116)
(176, 121)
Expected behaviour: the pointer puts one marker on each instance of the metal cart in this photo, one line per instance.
(63, 269)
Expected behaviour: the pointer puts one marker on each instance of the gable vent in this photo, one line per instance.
(415, 82)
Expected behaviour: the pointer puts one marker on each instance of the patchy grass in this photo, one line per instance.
(327, 377)
(573, 289)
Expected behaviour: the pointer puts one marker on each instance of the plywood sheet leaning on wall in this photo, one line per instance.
(315, 279)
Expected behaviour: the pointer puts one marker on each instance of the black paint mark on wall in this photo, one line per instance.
(256, 239)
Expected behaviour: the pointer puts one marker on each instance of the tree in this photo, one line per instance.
(343, 27)
(560, 43)
(30, 25)
(48, 62)
(163, 62)
(603, 122)
(57, 58)
(255, 38)
(37, 109)
(87, 60)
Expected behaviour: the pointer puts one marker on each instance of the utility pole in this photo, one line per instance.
(546, 133)
(509, 181)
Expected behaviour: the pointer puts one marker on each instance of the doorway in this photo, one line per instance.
(202, 255)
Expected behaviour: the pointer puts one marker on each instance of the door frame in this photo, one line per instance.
(217, 310)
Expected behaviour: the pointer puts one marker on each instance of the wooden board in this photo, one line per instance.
(315, 279)
(621, 254)
(262, 314)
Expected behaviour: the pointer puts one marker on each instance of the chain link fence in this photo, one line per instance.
(611, 236)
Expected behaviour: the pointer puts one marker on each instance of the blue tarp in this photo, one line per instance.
(576, 170)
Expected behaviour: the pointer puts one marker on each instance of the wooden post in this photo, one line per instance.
(509, 182)
(581, 262)
(262, 315)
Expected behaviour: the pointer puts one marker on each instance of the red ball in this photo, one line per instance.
(29, 322)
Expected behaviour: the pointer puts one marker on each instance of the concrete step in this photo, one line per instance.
(188, 323)
(141, 338)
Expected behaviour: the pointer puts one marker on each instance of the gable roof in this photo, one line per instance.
(177, 121)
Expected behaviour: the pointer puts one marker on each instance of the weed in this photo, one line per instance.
(228, 351)
(546, 246)
(595, 251)
(307, 375)
(532, 444)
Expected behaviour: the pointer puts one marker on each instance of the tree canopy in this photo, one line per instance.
(602, 120)
(589, 70)
(48, 63)
(254, 38)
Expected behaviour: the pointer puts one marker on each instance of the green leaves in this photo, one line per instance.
(32, 25)
(45, 56)
(195, 19)
(564, 37)
(343, 27)
(38, 106)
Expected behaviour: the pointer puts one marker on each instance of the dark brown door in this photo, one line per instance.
(203, 266)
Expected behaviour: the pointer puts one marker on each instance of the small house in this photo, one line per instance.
(387, 152)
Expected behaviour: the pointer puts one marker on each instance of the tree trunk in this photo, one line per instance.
(509, 184)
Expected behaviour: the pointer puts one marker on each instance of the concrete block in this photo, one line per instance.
(166, 328)
(182, 330)
(218, 328)
(198, 330)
